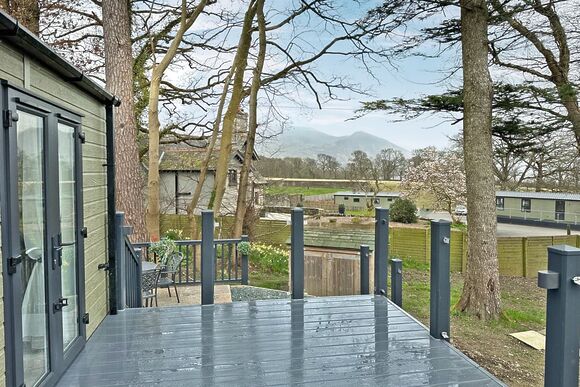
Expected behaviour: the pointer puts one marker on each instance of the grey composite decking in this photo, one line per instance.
(331, 341)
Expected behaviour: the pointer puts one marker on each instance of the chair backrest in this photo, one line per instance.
(149, 280)
(173, 262)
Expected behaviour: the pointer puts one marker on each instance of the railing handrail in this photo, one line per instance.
(131, 249)
(183, 242)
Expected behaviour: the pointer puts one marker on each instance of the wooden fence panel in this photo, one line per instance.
(510, 252)
(537, 255)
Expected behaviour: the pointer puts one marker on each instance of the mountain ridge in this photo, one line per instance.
(307, 142)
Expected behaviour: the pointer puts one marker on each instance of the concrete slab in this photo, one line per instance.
(191, 295)
(532, 338)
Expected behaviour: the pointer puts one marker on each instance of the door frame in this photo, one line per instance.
(558, 213)
(12, 285)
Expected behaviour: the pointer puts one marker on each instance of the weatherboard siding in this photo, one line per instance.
(21, 71)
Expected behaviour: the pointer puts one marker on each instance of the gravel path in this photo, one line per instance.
(251, 293)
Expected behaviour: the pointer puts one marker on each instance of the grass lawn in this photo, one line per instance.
(284, 190)
(489, 343)
(278, 281)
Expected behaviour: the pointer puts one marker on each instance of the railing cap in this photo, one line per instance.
(564, 250)
(440, 221)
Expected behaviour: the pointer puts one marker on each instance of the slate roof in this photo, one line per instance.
(184, 157)
(338, 239)
(539, 195)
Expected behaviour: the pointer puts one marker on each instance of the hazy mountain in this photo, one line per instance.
(307, 142)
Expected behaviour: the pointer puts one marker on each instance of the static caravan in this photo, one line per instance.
(362, 200)
(56, 199)
(549, 207)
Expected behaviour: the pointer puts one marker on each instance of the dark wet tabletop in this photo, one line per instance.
(331, 341)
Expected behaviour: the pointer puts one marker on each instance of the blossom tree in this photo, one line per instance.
(438, 174)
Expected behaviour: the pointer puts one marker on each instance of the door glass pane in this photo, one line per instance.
(67, 183)
(30, 149)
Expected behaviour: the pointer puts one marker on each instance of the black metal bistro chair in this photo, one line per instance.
(149, 281)
(167, 279)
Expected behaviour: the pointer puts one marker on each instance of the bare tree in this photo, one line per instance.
(188, 17)
(26, 12)
(242, 202)
(239, 63)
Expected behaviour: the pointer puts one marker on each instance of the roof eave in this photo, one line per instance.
(18, 36)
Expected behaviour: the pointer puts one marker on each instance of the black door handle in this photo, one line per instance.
(62, 302)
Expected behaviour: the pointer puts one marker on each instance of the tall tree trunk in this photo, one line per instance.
(481, 292)
(119, 74)
(152, 212)
(241, 205)
(26, 12)
(240, 63)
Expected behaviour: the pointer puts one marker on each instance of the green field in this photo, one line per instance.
(291, 190)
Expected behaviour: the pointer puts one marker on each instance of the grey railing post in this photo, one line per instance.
(381, 249)
(138, 292)
(297, 253)
(207, 258)
(364, 269)
(245, 263)
(439, 326)
(397, 282)
(562, 280)
(120, 262)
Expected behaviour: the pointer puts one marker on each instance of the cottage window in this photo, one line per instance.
(346, 198)
(356, 200)
(526, 205)
(499, 203)
(232, 178)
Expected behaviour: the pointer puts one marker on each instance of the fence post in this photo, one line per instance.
(397, 281)
(138, 292)
(297, 253)
(120, 263)
(381, 249)
(364, 269)
(562, 281)
(245, 264)
(207, 257)
(439, 326)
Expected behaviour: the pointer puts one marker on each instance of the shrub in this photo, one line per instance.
(269, 258)
(174, 235)
(403, 211)
(163, 249)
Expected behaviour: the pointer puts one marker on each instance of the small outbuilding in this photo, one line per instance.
(57, 208)
(353, 200)
(533, 207)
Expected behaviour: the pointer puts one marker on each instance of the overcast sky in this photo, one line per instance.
(412, 77)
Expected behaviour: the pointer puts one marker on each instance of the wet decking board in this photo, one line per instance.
(330, 341)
